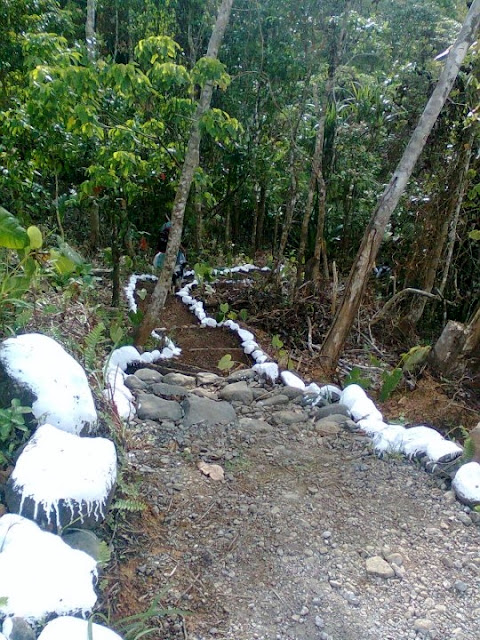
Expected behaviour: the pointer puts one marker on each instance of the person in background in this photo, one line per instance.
(159, 258)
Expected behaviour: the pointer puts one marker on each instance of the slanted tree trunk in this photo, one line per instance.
(372, 238)
(191, 162)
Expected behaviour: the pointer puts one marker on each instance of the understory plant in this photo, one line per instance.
(13, 430)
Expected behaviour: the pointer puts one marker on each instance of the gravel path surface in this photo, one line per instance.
(309, 535)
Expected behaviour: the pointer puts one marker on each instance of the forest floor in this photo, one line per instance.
(240, 561)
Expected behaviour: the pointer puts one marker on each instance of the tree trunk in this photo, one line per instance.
(198, 206)
(452, 232)
(191, 162)
(316, 177)
(458, 348)
(90, 36)
(373, 235)
(436, 236)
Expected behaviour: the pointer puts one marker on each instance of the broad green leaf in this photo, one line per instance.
(62, 264)
(474, 235)
(225, 363)
(12, 234)
(276, 342)
(35, 235)
(390, 382)
(415, 357)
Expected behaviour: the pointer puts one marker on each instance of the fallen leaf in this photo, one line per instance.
(214, 471)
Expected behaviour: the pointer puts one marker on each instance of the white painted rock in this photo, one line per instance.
(68, 627)
(267, 370)
(330, 392)
(37, 370)
(365, 408)
(122, 357)
(61, 479)
(371, 426)
(466, 483)
(389, 440)
(40, 574)
(416, 440)
(443, 451)
(352, 394)
(289, 379)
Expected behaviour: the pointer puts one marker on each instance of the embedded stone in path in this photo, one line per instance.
(62, 479)
(40, 575)
(150, 407)
(39, 372)
(377, 566)
(239, 391)
(208, 412)
(68, 627)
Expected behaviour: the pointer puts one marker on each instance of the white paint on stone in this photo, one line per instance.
(289, 379)
(58, 381)
(40, 574)
(267, 370)
(443, 449)
(351, 394)
(389, 440)
(70, 628)
(417, 439)
(365, 408)
(56, 465)
(466, 483)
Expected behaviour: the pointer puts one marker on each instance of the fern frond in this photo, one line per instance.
(92, 341)
(127, 504)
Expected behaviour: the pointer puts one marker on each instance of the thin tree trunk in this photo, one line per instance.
(452, 232)
(373, 235)
(90, 36)
(191, 162)
(437, 237)
(198, 218)
(260, 218)
(316, 177)
(94, 222)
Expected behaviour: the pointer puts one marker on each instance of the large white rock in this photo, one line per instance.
(389, 440)
(59, 386)
(443, 450)
(70, 628)
(40, 574)
(267, 370)
(61, 478)
(416, 440)
(289, 379)
(351, 394)
(466, 483)
(365, 408)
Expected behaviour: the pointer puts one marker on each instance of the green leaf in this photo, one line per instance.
(474, 235)
(390, 383)
(12, 234)
(415, 357)
(35, 235)
(116, 333)
(225, 363)
(224, 307)
(355, 377)
(276, 342)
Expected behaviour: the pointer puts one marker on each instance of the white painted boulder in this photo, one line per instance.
(39, 372)
(70, 628)
(466, 484)
(61, 479)
(40, 575)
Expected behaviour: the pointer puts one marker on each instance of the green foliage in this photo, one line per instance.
(226, 362)
(92, 342)
(282, 355)
(12, 234)
(474, 235)
(391, 379)
(210, 70)
(13, 431)
(136, 626)
(356, 376)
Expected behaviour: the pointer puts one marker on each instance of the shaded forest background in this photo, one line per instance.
(313, 107)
